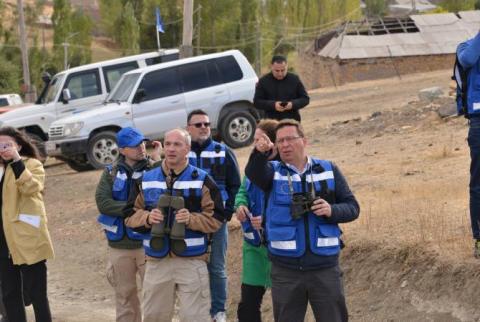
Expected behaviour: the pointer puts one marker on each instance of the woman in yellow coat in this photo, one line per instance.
(25, 243)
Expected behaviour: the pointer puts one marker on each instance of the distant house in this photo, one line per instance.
(403, 7)
(388, 47)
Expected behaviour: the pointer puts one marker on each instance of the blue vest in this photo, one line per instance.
(473, 81)
(256, 201)
(188, 185)
(288, 237)
(212, 160)
(113, 226)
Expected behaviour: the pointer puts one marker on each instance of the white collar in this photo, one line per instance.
(307, 166)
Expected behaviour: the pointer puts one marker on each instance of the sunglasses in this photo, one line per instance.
(200, 124)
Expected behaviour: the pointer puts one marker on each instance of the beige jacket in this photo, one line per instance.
(23, 214)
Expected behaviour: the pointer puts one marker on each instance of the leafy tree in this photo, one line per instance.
(249, 22)
(74, 28)
(375, 8)
(458, 5)
(129, 31)
(9, 77)
(172, 15)
(110, 10)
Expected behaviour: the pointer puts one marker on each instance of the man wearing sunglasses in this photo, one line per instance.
(308, 198)
(220, 163)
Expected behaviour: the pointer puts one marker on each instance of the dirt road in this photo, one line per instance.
(408, 257)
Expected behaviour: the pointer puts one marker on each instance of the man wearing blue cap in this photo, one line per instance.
(126, 255)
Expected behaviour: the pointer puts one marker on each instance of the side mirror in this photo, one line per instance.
(139, 95)
(66, 96)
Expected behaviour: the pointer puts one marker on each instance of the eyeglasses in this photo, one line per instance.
(288, 139)
(200, 124)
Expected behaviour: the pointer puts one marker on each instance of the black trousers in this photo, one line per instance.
(250, 303)
(31, 279)
(292, 290)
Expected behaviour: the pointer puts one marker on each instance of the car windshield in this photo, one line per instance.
(122, 91)
(53, 88)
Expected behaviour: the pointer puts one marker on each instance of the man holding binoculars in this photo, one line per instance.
(181, 205)
(308, 198)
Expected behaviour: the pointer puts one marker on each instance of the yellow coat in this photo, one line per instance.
(23, 214)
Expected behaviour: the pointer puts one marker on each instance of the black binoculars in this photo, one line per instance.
(301, 204)
(169, 204)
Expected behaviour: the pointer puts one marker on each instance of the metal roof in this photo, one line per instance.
(437, 34)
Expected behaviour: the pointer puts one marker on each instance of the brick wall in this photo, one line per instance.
(316, 71)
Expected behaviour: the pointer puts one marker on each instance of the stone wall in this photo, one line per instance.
(316, 71)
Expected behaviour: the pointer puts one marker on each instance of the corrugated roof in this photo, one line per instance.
(438, 34)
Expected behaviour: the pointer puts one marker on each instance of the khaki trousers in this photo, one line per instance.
(188, 278)
(123, 266)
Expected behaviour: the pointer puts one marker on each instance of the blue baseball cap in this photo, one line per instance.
(129, 137)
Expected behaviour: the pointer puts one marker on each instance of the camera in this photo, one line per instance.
(301, 204)
(283, 104)
(5, 146)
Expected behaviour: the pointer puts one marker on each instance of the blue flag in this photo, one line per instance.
(159, 21)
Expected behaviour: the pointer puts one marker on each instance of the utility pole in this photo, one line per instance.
(65, 55)
(186, 49)
(199, 31)
(29, 94)
(258, 49)
(65, 45)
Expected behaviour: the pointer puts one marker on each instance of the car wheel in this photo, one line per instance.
(40, 144)
(102, 149)
(238, 129)
(79, 166)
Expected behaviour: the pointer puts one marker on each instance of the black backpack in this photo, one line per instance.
(460, 76)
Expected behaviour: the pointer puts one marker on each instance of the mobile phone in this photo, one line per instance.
(283, 104)
(5, 146)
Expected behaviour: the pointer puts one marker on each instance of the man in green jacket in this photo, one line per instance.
(126, 254)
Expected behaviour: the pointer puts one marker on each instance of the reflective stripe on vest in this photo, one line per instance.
(188, 185)
(287, 237)
(212, 160)
(114, 227)
(256, 206)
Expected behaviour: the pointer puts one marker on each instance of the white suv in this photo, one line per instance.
(158, 98)
(76, 90)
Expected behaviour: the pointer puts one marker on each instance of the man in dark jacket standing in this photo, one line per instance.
(280, 94)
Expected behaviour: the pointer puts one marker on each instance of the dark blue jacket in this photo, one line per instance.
(344, 209)
(468, 55)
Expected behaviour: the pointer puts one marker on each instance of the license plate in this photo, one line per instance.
(50, 146)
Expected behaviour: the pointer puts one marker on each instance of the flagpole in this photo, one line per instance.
(158, 37)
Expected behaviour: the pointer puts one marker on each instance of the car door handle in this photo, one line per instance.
(175, 102)
(69, 110)
(219, 92)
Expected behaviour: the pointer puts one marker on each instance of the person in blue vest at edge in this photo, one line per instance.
(176, 195)
(220, 163)
(126, 257)
(250, 206)
(468, 54)
(308, 198)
